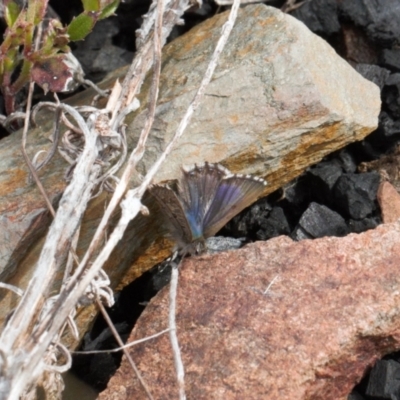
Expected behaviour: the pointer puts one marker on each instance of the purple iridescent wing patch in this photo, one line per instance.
(207, 197)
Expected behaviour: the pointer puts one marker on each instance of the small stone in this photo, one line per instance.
(319, 16)
(393, 79)
(391, 94)
(390, 58)
(388, 126)
(384, 380)
(248, 221)
(355, 194)
(275, 224)
(323, 178)
(347, 161)
(379, 19)
(216, 244)
(358, 226)
(373, 73)
(297, 193)
(319, 221)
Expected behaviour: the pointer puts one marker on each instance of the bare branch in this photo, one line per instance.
(125, 346)
(16, 334)
(130, 86)
(176, 351)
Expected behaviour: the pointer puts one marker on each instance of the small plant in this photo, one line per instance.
(39, 52)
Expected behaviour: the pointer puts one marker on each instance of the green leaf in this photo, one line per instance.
(82, 25)
(11, 13)
(91, 5)
(110, 9)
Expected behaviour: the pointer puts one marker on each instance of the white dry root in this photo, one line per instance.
(31, 352)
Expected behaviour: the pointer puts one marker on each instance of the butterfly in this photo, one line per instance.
(205, 198)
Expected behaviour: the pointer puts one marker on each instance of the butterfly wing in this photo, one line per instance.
(208, 197)
(176, 218)
(197, 190)
(234, 193)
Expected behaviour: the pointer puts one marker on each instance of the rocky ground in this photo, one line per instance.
(338, 195)
(333, 197)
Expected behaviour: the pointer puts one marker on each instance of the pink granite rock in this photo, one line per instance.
(389, 201)
(333, 309)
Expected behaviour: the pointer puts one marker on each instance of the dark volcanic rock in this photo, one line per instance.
(347, 161)
(391, 95)
(98, 55)
(298, 193)
(319, 221)
(355, 194)
(355, 396)
(322, 180)
(379, 19)
(388, 126)
(356, 226)
(319, 16)
(390, 58)
(248, 222)
(273, 225)
(373, 73)
(384, 380)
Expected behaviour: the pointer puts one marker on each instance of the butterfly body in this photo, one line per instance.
(206, 198)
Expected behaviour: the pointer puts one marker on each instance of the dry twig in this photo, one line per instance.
(173, 337)
(121, 343)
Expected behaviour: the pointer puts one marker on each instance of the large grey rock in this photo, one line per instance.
(280, 99)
